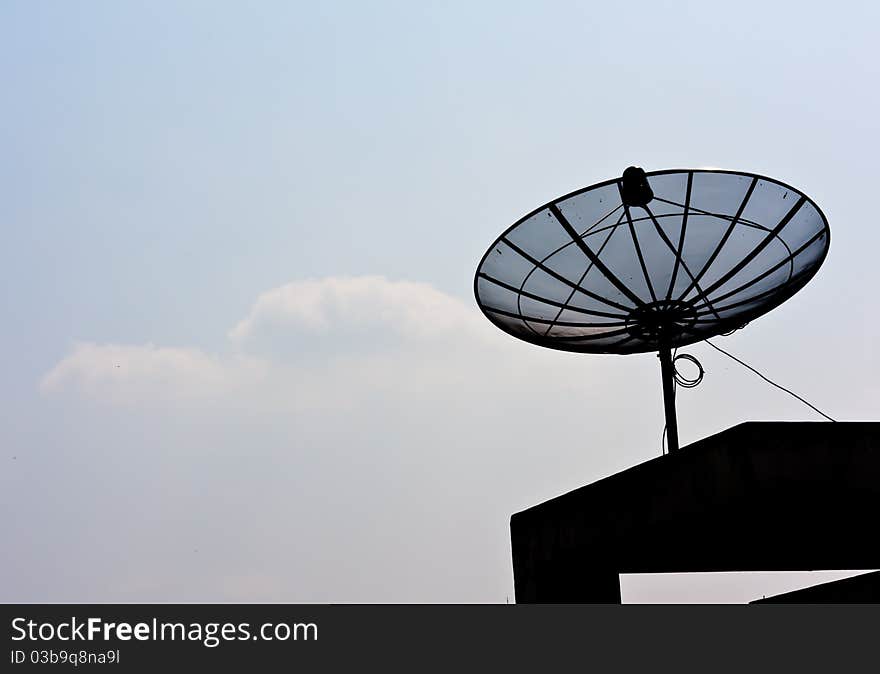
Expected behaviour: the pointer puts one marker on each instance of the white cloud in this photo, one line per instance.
(361, 305)
(132, 373)
(329, 343)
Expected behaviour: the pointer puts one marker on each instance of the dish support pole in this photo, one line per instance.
(667, 374)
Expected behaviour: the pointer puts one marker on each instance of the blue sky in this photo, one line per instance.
(324, 174)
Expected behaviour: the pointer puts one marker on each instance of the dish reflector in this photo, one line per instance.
(651, 261)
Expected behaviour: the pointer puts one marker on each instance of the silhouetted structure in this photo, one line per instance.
(653, 262)
(861, 589)
(761, 496)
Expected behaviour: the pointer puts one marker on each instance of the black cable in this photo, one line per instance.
(769, 381)
(682, 380)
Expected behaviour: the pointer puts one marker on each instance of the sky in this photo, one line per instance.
(241, 356)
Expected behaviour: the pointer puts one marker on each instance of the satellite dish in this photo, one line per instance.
(652, 262)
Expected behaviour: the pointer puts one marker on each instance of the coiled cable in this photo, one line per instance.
(683, 380)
